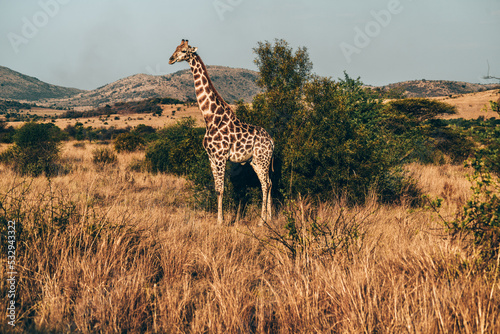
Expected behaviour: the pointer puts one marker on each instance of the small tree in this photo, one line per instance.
(328, 137)
(35, 150)
(419, 109)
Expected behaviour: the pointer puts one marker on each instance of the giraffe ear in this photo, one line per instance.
(194, 49)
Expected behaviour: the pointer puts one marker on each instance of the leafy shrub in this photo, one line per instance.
(481, 214)
(177, 148)
(104, 156)
(495, 106)
(179, 151)
(129, 142)
(35, 150)
(6, 133)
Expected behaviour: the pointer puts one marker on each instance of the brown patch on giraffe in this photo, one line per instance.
(213, 131)
(217, 120)
(204, 80)
(224, 131)
(205, 104)
(209, 118)
(213, 107)
(196, 76)
(217, 137)
(199, 90)
(225, 118)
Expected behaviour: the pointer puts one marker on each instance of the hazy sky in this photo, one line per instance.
(89, 43)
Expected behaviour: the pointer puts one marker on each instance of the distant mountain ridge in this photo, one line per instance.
(433, 88)
(17, 86)
(232, 83)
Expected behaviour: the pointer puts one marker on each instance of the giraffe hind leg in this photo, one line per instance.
(265, 182)
(269, 202)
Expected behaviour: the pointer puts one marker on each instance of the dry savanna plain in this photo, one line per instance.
(112, 248)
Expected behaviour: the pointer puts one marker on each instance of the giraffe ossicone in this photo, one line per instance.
(227, 137)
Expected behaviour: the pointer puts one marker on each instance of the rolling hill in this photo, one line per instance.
(232, 83)
(433, 88)
(17, 86)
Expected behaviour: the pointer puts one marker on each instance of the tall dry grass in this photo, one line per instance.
(135, 255)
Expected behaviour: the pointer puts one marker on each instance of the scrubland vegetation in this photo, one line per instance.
(377, 228)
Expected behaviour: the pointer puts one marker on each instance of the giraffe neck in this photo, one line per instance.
(209, 100)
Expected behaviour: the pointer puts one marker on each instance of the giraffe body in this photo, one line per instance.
(227, 137)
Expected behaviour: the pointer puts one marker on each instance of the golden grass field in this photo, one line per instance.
(123, 121)
(473, 105)
(138, 256)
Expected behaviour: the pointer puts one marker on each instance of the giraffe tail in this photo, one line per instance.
(272, 163)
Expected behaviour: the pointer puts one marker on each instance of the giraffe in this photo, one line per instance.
(227, 137)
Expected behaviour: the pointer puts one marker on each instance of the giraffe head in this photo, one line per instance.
(183, 52)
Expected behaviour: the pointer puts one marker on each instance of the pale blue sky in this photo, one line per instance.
(89, 43)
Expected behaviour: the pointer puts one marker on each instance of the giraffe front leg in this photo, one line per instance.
(218, 170)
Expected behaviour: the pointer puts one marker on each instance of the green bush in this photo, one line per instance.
(35, 150)
(6, 133)
(129, 142)
(177, 149)
(481, 214)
